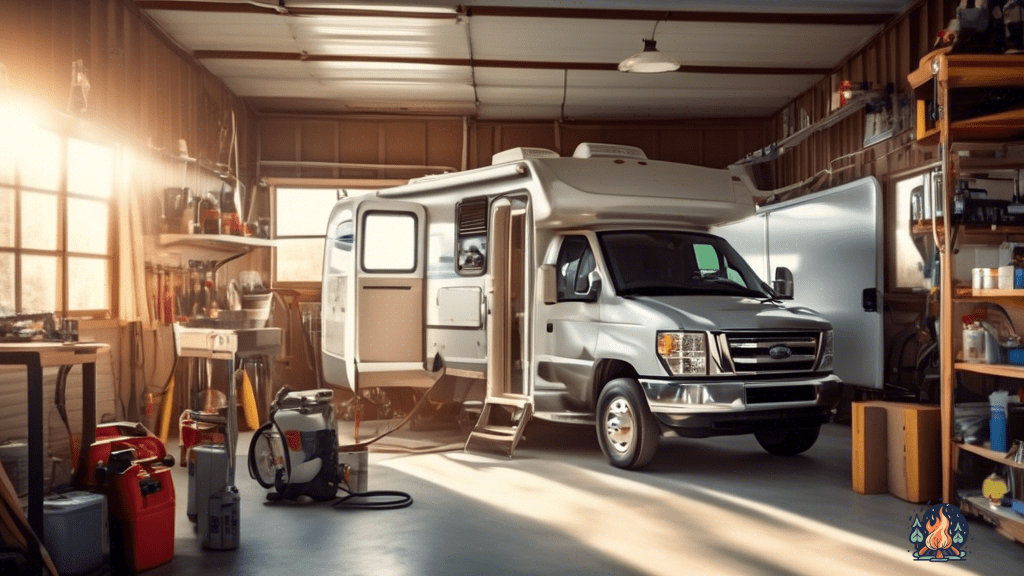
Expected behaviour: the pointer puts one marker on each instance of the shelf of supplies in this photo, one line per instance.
(967, 71)
(1003, 370)
(992, 455)
(217, 242)
(1007, 522)
(968, 293)
(971, 234)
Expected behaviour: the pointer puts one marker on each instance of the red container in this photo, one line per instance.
(142, 503)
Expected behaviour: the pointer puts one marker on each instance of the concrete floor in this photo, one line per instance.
(714, 506)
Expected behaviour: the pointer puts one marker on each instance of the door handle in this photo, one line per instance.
(869, 299)
(551, 327)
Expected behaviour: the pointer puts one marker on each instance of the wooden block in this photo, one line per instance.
(870, 460)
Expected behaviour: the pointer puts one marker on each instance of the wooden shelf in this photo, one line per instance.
(968, 71)
(971, 234)
(1007, 522)
(1003, 370)
(992, 455)
(1007, 125)
(968, 293)
(214, 242)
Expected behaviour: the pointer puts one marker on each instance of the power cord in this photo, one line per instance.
(399, 500)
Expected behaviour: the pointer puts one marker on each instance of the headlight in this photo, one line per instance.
(826, 353)
(684, 353)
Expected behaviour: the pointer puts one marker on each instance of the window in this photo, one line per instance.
(909, 262)
(573, 268)
(471, 236)
(55, 235)
(389, 242)
(300, 225)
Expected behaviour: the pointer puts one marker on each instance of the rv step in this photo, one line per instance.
(585, 418)
(488, 436)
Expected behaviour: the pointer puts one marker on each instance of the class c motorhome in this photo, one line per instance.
(576, 289)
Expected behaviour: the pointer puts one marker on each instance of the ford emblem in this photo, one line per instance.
(780, 352)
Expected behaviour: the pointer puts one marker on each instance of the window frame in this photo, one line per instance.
(66, 129)
(345, 186)
(574, 296)
(363, 245)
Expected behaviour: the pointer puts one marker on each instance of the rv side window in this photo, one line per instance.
(389, 242)
(471, 236)
(575, 263)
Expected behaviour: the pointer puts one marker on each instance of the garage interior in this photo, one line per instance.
(168, 169)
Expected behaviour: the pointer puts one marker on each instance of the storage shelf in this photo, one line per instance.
(1007, 522)
(968, 71)
(968, 293)
(1003, 370)
(992, 455)
(972, 234)
(222, 242)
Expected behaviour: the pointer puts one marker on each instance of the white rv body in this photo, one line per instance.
(456, 274)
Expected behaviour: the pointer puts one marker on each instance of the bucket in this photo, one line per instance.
(14, 456)
(257, 309)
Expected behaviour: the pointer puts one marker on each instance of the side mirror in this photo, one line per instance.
(546, 281)
(783, 284)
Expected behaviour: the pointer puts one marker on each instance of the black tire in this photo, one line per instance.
(260, 469)
(788, 441)
(626, 429)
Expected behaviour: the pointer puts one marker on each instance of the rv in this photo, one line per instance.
(575, 289)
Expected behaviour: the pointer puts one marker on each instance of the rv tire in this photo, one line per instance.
(626, 429)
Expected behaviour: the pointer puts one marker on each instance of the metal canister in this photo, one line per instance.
(974, 343)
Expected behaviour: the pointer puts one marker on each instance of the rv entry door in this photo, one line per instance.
(389, 294)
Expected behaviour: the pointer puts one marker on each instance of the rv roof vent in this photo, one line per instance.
(472, 216)
(592, 150)
(514, 154)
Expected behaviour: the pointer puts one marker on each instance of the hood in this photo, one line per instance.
(710, 312)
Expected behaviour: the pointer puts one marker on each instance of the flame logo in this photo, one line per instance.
(945, 531)
(938, 533)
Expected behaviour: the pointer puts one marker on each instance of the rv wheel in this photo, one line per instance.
(788, 442)
(626, 429)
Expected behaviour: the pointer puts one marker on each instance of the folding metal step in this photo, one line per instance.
(501, 424)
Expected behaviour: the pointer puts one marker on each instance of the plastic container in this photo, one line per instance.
(999, 402)
(1006, 277)
(976, 278)
(14, 456)
(76, 532)
(989, 278)
(974, 343)
(143, 504)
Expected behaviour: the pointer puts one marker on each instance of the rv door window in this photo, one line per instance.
(575, 263)
(389, 242)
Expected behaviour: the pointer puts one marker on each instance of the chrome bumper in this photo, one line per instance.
(685, 397)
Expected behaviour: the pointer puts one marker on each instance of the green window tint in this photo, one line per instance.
(707, 256)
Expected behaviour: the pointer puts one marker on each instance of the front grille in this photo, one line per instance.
(773, 352)
(773, 394)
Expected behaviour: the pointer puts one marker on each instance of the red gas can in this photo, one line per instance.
(142, 503)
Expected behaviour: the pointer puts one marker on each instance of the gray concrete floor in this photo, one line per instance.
(713, 506)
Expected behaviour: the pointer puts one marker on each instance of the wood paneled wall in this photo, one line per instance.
(885, 59)
(439, 142)
(144, 90)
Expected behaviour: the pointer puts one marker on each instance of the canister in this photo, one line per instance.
(974, 343)
(990, 278)
(1006, 277)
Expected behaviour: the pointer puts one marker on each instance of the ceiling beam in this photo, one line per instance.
(268, 7)
(521, 64)
(826, 19)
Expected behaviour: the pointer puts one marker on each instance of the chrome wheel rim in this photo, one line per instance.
(619, 425)
(264, 457)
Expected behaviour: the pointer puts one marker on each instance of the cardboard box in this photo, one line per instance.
(897, 448)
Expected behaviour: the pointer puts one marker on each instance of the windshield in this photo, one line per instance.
(659, 263)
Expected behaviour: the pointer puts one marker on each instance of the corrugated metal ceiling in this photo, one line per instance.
(521, 60)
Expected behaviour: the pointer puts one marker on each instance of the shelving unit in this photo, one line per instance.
(968, 147)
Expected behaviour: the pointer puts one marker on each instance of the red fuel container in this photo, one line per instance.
(142, 503)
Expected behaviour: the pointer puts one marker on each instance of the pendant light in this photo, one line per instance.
(649, 60)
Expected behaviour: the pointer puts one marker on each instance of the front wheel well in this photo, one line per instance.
(605, 372)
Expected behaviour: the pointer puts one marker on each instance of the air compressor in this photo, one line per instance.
(296, 452)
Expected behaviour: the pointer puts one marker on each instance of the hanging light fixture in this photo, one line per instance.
(649, 60)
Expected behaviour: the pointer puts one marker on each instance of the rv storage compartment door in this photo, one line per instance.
(832, 241)
(389, 294)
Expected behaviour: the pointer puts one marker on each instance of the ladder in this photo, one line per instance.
(503, 419)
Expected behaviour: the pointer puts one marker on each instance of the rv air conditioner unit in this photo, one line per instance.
(514, 154)
(592, 150)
